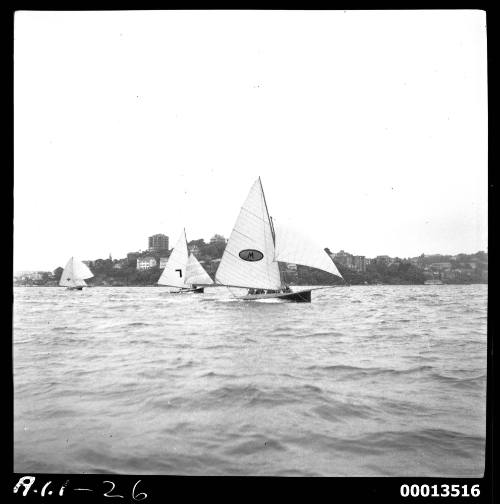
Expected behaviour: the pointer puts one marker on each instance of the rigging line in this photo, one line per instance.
(185, 239)
(217, 282)
(242, 234)
(273, 235)
(264, 211)
(263, 219)
(267, 210)
(230, 253)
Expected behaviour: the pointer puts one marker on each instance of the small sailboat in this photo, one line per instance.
(74, 275)
(183, 272)
(255, 247)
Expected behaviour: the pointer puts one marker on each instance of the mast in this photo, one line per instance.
(188, 254)
(267, 211)
(186, 240)
(272, 231)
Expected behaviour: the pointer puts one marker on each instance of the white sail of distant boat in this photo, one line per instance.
(195, 273)
(74, 275)
(183, 271)
(254, 248)
(174, 274)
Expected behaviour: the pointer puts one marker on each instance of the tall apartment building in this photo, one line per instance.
(359, 263)
(158, 242)
(343, 258)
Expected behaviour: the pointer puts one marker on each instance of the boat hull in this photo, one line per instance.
(293, 297)
(198, 290)
(74, 288)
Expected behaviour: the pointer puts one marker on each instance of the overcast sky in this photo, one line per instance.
(368, 128)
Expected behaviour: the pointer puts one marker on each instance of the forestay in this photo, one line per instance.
(291, 247)
(174, 273)
(195, 274)
(252, 237)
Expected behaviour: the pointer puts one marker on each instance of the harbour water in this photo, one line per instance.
(363, 381)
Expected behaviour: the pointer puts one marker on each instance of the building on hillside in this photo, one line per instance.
(441, 266)
(343, 258)
(384, 259)
(217, 238)
(451, 274)
(158, 242)
(29, 275)
(144, 263)
(120, 263)
(420, 261)
(194, 249)
(163, 262)
(359, 263)
(132, 258)
(463, 273)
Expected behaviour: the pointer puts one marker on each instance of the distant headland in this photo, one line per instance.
(143, 268)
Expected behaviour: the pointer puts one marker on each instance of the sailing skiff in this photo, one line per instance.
(255, 247)
(183, 272)
(74, 275)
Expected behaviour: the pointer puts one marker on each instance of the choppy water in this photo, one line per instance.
(364, 381)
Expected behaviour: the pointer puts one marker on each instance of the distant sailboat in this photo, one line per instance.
(74, 275)
(255, 247)
(183, 271)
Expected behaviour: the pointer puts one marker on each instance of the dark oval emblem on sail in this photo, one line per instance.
(251, 255)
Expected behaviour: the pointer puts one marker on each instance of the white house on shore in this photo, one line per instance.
(28, 275)
(144, 263)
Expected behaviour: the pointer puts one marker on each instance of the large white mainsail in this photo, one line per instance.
(291, 247)
(195, 274)
(248, 259)
(75, 273)
(174, 273)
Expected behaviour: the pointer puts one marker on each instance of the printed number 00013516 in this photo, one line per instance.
(439, 490)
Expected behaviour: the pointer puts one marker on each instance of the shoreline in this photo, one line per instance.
(292, 285)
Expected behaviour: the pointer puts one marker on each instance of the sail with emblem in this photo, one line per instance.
(174, 274)
(248, 259)
(75, 273)
(195, 273)
(294, 247)
(255, 248)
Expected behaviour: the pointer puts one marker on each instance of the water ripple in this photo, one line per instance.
(365, 381)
